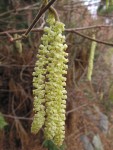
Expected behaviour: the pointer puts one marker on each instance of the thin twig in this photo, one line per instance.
(89, 27)
(75, 109)
(89, 38)
(19, 9)
(20, 31)
(16, 117)
(24, 118)
(10, 37)
(67, 30)
(72, 30)
(41, 12)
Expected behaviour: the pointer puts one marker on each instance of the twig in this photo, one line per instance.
(10, 37)
(19, 9)
(41, 12)
(20, 31)
(89, 38)
(67, 30)
(24, 118)
(89, 27)
(76, 109)
(16, 117)
(72, 30)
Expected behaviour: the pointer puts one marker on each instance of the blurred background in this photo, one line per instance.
(89, 114)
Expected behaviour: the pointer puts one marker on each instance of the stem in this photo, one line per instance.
(43, 10)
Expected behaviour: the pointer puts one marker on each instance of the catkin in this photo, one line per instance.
(91, 59)
(49, 82)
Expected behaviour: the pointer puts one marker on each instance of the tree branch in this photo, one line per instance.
(24, 118)
(16, 117)
(19, 9)
(72, 30)
(66, 30)
(90, 27)
(41, 12)
(89, 38)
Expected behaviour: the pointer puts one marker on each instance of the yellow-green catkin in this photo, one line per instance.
(91, 59)
(39, 90)
(55, 87)
(49, 81)
(18, 44)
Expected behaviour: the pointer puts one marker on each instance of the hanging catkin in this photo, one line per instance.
(49, 82)
(91, 59)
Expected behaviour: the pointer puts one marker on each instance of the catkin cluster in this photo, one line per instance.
(49, 83)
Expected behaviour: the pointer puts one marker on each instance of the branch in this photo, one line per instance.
(41, 12)
(90, 27)
(76, 109)
(19, 9)
(89, 38)
(72, 30)
(24, 118)
(16, 117)
(40, 29)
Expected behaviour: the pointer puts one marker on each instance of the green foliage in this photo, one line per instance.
(2, 122)
(51, 146)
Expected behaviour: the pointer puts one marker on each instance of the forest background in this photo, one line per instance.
(89, 104)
